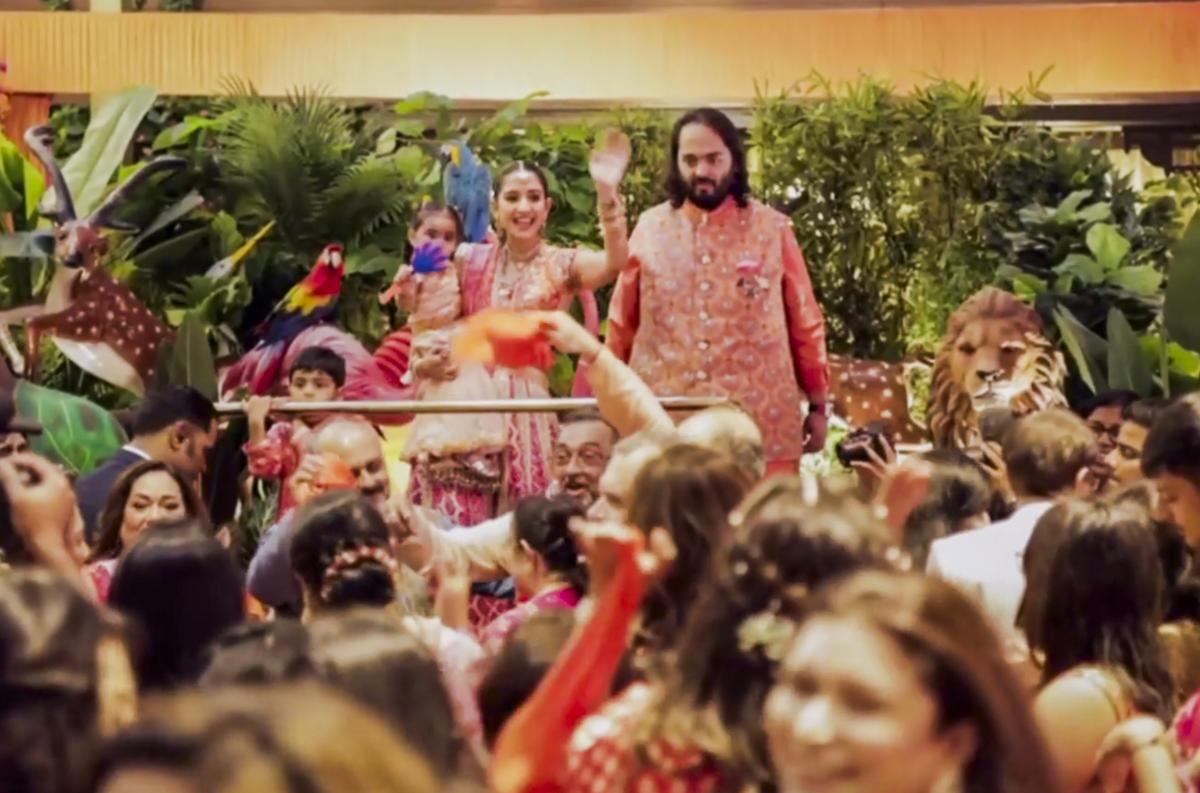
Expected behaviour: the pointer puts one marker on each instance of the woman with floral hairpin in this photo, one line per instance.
(696, 724)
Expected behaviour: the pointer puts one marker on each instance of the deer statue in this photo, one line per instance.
(95, 320)
(864, 391)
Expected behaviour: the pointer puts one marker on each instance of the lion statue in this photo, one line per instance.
(994, 355)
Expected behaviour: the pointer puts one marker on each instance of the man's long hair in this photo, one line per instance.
(718, 122)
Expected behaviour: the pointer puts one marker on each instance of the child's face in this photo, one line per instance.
(436, 227)
(310, 385)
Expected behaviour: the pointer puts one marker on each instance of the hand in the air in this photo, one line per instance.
(569, 336)
(609, 161)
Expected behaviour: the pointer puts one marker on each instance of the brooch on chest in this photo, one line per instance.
(751, 282)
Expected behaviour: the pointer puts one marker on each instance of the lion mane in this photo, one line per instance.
(953, 421)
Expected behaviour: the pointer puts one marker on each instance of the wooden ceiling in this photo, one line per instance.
(1096, 52)
(546, 6)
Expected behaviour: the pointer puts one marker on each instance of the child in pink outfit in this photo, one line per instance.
(317, 376)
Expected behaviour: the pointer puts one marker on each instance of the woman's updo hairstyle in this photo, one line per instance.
(543, 524)
(341, 552)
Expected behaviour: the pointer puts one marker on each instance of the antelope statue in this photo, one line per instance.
(94, 319)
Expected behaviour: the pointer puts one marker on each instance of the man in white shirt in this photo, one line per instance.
(1045, 454)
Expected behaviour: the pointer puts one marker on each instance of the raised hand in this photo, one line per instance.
(609, 160)
(569, 336)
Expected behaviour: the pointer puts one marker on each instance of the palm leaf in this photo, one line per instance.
(284, 154)
(369, 196)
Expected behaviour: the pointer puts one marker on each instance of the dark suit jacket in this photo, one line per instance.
(91, 490)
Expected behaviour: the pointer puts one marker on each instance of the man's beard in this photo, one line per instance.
(711, 200)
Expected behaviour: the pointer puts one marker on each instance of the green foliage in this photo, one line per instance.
(90, 169)
(904, 204)
(886, 194)
(1166, 356)
(56, 5)
(78, 434)
(1097, 246)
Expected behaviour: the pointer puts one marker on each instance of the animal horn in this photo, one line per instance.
(40, 141)
(103, 216)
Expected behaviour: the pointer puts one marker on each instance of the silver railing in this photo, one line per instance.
(464, 406)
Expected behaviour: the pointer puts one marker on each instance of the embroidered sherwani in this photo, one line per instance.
(722, 305)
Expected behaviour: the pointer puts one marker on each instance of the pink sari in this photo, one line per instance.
(543, 284)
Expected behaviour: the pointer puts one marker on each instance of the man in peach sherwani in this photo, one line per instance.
(717, 298)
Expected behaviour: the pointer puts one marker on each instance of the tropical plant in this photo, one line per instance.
(306, 164)
(1098, 245)
(885, 193)
(1165, 358)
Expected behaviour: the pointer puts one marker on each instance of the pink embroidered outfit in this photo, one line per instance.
(278, 455)
(455, 458)
(722, 305)
(545, 283)
(496, 633)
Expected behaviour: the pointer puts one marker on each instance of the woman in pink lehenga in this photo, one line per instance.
(523, 272)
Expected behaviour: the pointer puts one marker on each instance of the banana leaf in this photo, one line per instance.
(1180, 316)
(108, 135)
(76, 433)
(21, 186)
(191, 359)
(1086, 348)
(1127, 366)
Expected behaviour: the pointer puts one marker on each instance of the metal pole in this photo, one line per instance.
(464, 406)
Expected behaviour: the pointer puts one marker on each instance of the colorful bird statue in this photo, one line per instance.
(468, 188)
(230, 263)
(306, 304)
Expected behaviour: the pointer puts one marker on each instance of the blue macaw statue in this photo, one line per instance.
(468, 188)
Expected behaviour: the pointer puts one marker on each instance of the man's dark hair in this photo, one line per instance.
(718, 122)
(321, 359)
(587, 414)
(1116, 398)
(160, 409)
(1173, 443)
(1143, 412)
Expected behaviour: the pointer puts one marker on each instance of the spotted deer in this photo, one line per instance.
(93, 318)
(866, 391)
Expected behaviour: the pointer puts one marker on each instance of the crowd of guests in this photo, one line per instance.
(663, 618)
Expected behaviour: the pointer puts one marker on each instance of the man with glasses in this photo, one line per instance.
(1103, 414)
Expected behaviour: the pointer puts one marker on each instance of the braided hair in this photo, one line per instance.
(341, 552)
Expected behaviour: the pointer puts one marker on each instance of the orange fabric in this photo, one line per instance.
(531, 752)
(504, 338)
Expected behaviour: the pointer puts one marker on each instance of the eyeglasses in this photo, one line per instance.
(1105, 430)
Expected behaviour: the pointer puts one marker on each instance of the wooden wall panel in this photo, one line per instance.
(667, 58)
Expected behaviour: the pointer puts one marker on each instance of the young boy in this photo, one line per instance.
(317, 376)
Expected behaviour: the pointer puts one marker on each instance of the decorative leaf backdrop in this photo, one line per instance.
(904, 204)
